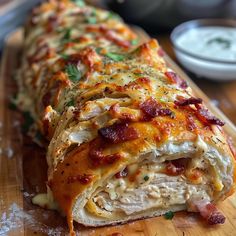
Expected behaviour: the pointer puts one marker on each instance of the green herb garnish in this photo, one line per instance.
(134, 42)
(70, 103)
(67, 36)
(224, 42)
(79, 3)
(115, 56)
(98, 50)
(146, 177)
(92, 20)
(169, 215)
(138, 74)
(73, 73)
(163, 100)
(112, 15)
(64, 56)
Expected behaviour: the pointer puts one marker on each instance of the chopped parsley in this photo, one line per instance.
(98, 50)
(134, 42)
(112, 15)
(163, 100)
(169, 215)
(146, 177)
(70, 103)
(79, 3)
(138, 74)
(64, 56)
(67, 35)
(92, 18)
(224, 42)
(73, 73)
(115, 56)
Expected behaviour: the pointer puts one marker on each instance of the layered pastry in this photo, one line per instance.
(126, 138)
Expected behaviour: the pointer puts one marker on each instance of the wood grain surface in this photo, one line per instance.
(23, 174)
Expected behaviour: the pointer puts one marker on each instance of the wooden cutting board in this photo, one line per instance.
(23, 173)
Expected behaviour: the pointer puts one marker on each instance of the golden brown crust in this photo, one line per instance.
(102, 101)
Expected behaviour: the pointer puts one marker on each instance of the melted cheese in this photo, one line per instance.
(81, 73)
(45, 200)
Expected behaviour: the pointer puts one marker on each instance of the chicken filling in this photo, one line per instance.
(140, 187)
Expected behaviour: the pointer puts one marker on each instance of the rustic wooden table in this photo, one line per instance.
(222, 94)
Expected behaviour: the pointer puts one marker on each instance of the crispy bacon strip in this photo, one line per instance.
(88, 56)
(52, 23)
(176, 167)
(191, 123)
(205, 116)
(116, 112)
(174, 78)
(118, 133)
(83, 179)
(209, 212)
(57, 83)
(46, 98)
(187, 101)
(153, 109)
(43, 53)
(111, 35)
(144, 80)
(98, 158)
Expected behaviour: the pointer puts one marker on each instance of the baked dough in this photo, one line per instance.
(126, 137)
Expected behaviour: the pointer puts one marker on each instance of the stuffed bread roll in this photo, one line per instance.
(126, 137)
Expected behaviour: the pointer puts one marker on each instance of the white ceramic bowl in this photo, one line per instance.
(212, 68)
